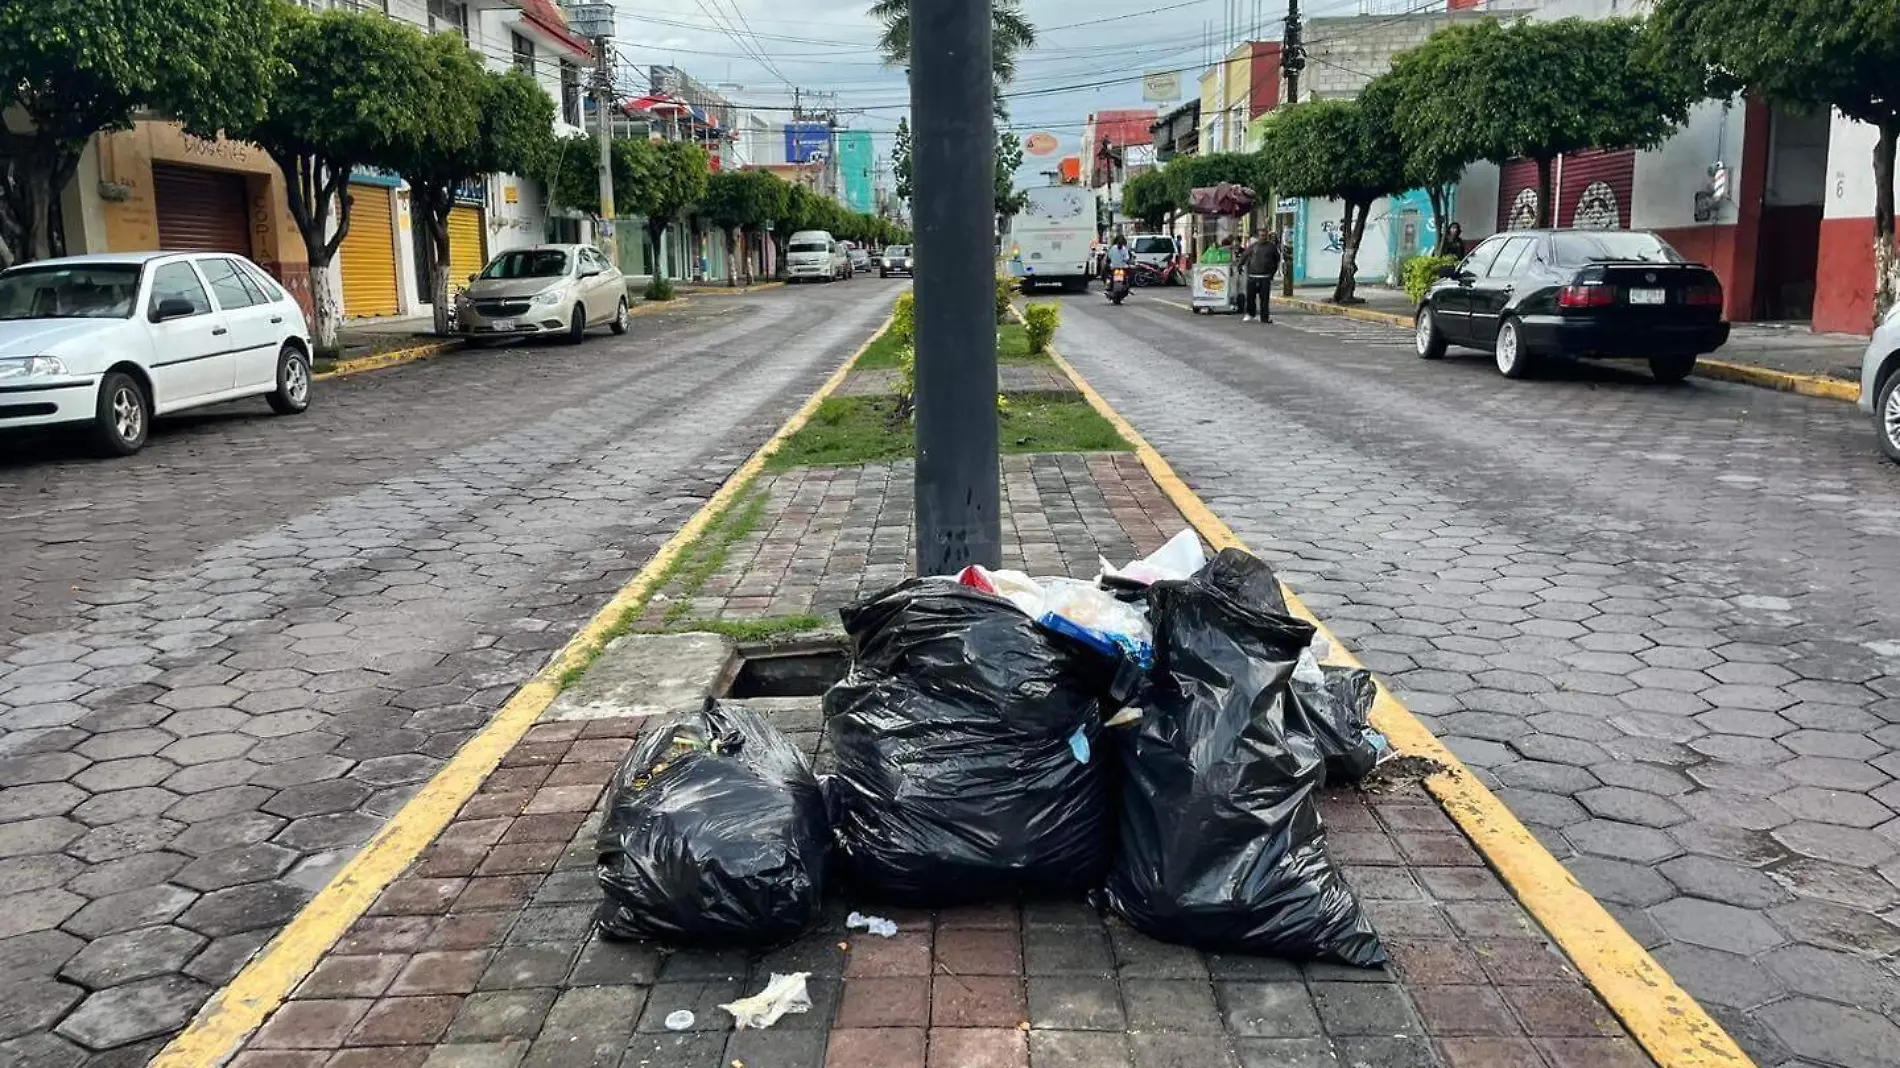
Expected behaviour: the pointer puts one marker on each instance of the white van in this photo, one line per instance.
(1050, 238)
(815, 256)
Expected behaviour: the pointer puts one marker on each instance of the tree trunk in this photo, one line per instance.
(310, 184)
(1543, 193)
(329, 311)
(1886, 256)
(1436, 193)
(1352, 228)
(654, 241)
(732, 269)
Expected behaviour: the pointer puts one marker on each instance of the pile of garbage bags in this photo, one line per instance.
(1154, 738)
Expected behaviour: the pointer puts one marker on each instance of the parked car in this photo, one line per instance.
(860, 258)
(113, 340)
(897, 260)
(547, 289)
(1880, 383)
(1160, 252)
(1527, 294)
(815, 256)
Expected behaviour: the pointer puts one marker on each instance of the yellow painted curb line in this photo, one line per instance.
(225, 1021)
(1787, 382)
(377, 362)
(1748, 374)
(1659, 1015)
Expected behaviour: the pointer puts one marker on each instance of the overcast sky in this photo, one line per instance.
(830, 46)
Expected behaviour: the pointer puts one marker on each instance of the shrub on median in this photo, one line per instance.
(1005, 296)
(1041, 321)
(659, 289)
(904, 319)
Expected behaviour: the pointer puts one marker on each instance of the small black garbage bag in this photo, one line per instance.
(1221, 845)
(967, 743)
(715, 835)
(1339, 717)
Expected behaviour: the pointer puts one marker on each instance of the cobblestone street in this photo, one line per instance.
(1660, 621)
(225, 662)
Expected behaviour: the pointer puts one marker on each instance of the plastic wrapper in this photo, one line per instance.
(1221, 844)
(966, 743)
(715, 835)
(1180, 558)
(1083, 611)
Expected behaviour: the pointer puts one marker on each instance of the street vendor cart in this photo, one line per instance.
(1217, 282)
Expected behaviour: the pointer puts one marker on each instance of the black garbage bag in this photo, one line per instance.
(968, 763)
(1339, 717)
(715, 835)
(1221, 845)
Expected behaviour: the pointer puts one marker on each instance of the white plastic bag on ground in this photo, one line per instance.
(785, 993)
(1181, 557)
(876, 925)
(1086, 611)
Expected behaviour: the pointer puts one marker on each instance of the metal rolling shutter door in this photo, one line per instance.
(467, 248)
(368, 256)
(1597, 189)
(1517, 194)
(201, 211)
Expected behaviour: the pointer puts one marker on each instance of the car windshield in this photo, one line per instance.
(527, 263)
(1578, 249)
(808, 246)
(1154, 244)
(93, 291)
(897, 250)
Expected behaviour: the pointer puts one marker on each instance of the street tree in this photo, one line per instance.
(1188, 173)
(668, 178)
(70, 69)
(1430, 164)
(900, 159)
(1009, 156)
(1335, 148)
(1809, 55)
(477, 123)
(1536, 90)
(344, 97)
(741, 203)
(1148, 197)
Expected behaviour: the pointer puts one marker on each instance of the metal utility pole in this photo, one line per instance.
(1292, 61)
(603, 105)
(958, 488)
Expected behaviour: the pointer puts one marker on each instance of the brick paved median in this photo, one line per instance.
(484, 954)
(225, 662)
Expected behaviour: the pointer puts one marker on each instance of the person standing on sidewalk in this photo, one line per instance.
(1262, 260)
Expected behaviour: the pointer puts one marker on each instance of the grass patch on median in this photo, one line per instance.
(745, 631)
(1012, 346)
(881, 355)
(863, 430)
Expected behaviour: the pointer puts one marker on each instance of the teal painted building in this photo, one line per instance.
(857, 166)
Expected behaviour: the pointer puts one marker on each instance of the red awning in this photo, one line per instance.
(546, 18)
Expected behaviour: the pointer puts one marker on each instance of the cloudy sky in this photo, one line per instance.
(1090, 56)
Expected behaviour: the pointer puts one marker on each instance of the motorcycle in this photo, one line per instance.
(1154, 274)
(1118, 285)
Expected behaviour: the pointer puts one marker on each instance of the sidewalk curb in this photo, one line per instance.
(394, 358)
(1670, 1026)
(1838, 389)
(236, 1011)
(736, 291)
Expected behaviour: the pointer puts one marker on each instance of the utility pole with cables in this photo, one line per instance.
(603, 107)
(1292, 62)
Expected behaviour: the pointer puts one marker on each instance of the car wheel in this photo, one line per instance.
(123, 416)
(577, 326)
(1887, 416)
(620, 317)
(883, 274)
(1431, 343)
(1514, 360)
(1671, 368)
(292, 394)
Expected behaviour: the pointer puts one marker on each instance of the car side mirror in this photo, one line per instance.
(173, 308)
(1448, 272)
(590, 272)
(472, 278)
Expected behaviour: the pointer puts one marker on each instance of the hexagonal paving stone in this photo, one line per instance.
(239, 829)
(125, 774)
(1833, 774)
(126, 873)
(30, 1007)
(129, 743)
(205, 748)
(36, 871)
(125, 1014)
(41, 910)
(253, 907)
(1717, 926)
(1719, 978)
(125, 805)
(1622, 841)
(1745, 722)
(318, 798)
(47, 834)
(1833, 1034)
(234, 867)
(1726, 881)
(1845, 845)
(1620, 881)
(1843, 745)
(1824, 923)
(130, 909)
(1631, 806)
(123, 839)
(1836, 976)
(1833, 806)
(39, 799)
(133, 955)
(1839, 883)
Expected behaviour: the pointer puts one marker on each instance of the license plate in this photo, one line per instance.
(1646, 296)
(504, 324)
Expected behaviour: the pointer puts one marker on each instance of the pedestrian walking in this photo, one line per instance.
(1262, 260)
(1453, 243)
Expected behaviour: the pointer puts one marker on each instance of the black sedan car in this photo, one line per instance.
(1526, 294)
(896, 260)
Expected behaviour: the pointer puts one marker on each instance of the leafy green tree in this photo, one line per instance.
(741, 203)
(1810, 55)
(1009, 156)
(669, 177)
(1536, 90)
(900, 159)
(1148, 197)
(477, 123)
(344, 97)
(1388, 99)
(1335, 148)
(1010, 36)
(1188, 173)
(70, 69)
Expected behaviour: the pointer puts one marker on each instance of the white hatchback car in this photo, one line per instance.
(1880, 383)
(112, 340)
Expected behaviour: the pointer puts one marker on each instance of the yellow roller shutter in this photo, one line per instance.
(367, 256)
(467, 252)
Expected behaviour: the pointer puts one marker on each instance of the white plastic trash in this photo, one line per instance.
(785, 993)
(876, 925)
(1179, 559)
(680, 1020)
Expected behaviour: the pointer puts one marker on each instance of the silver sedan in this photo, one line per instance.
(548, 289)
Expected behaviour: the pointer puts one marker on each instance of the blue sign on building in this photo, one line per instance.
(806, 141)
